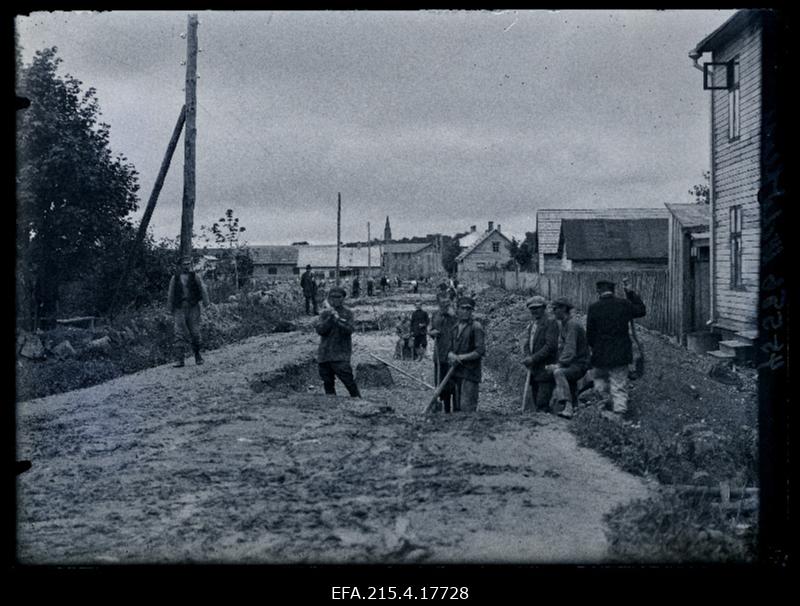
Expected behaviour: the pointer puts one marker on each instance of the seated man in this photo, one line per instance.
(572, 358)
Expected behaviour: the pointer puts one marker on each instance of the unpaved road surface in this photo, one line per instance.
(195, 465)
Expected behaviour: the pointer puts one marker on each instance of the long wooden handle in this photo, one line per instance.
(525, 390)
(402, 372)
(431, 406)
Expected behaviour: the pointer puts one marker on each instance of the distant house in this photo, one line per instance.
(688, 288)
(739, 73)
(352, 260)
(468, 239)
(548, 227)
(612, 244)
(489, 251)
(412, 259)
(273, 261)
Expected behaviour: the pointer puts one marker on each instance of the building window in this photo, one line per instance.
(295, 270)
(736, 246)
(734, 102)
(272, 270)
(495, 246)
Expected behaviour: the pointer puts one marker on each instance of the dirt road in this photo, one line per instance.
(244, 460)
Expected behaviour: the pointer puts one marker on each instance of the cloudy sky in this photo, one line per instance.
(440, 120)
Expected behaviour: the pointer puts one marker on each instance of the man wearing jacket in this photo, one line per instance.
(573, 357)
(419, 328)
(467, 348)
(539, 349)
(335, 326)
(607, 334)
(186, 292)
(442, 324)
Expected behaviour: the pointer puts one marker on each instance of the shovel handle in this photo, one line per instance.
(525, 390)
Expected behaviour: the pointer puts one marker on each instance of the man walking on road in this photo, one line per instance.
(309, 289)
(539, 349)
(607, 334)
(186, 292)
(419, 328)
(442, 324)
(335, 326)
(467, 348)
(573, 357)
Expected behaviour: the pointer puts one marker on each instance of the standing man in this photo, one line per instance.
(384, 283)
(467, 348)
(335, 326)
(607, 334)
(419, 328)
(186, 292)
(309, 289)
(573, 357)
(540, 349)
(356, 287)
(370, 286)
(442, 324)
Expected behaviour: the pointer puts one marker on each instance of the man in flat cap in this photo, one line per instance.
(573, 356)
(467, 348)
(539, 349)
(607, 334)
(186, 292)
(309, 287)
(442, 324)
(335, 326)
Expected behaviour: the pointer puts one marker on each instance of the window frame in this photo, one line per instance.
(735, 220)
(734, 101)
(495, 247)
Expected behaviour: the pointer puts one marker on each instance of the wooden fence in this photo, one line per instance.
(580, 288)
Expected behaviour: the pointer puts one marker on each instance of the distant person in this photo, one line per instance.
(370, 286)
(384, 284)
(186, 292)
(414, 286)
(356, 288)
(419, 328)
(335, 327)
(607, 323)
(572, 358)
(309, 286)
(467, 348)
(540, 348)
(403, 349)
(399, 281)
(442, 323)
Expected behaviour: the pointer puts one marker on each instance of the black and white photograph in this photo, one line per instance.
(400, 288)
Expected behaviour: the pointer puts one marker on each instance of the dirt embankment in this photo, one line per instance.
(242, 460)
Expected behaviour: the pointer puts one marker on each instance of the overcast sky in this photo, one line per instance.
(440, 120)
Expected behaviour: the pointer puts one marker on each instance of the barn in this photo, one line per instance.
(272, 262)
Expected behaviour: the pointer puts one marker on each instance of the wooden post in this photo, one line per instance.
(187, 216)
(151, 205)
(338, 234)
(369, 255)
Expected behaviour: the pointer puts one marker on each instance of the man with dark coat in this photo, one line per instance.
(356, 287)
(186, 292)
(539, 349)
(442, 323)
(309, 287)
(335, 326)
(573, 357)
(467, 348)
(607, 324)
(419, 328)
(370, 286)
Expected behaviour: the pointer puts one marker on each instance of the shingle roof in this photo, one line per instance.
(325, 256)
(405, 247)
(614, 239)
(727, 30)
(690, 215)
(273, 255)
(478, 242)
(548, 221)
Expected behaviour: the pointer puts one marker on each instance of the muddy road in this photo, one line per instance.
(243, 460)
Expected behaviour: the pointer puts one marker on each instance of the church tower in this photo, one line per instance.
(387, 231)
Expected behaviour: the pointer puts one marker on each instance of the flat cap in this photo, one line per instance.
(337, 290)
(536, 301)
(466, 301)
(605, 283)
(564, 302)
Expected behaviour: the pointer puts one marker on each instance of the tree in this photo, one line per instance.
(522, 253)
(225, 232)
(702, 191)
(449, 253)
(73, 196)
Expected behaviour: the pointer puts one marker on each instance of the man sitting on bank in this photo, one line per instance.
(572, 358)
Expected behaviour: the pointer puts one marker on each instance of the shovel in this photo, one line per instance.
(434, 403)
(525, 390)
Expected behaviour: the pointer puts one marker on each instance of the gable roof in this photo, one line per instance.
(405, 247)
(480, 241)
(614, 239)
(273, 255)
(690, 215)
(725, 32)
(325, 256)
(548, 221)
(469, 238)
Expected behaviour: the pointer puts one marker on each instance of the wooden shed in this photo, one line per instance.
(688, 288)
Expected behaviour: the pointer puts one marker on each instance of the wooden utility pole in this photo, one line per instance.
(369, 254)
(151, 205)
(187, 216)
(338, 234)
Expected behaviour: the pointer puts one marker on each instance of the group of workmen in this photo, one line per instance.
(556, 350)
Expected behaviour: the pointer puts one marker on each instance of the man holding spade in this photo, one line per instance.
(467, 348)
(442, 324)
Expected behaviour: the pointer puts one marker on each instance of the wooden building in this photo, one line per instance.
(688, 289)
(735, 77)
(271, 262)
(352, 260)
(611, 245)
(412, 260)
(490, 251)
(548, 227)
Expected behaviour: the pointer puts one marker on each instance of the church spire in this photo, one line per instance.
(387, 231)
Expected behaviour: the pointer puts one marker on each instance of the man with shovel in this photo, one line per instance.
(467, 348)
(539, 349)
(442, 324)
(335, 327)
